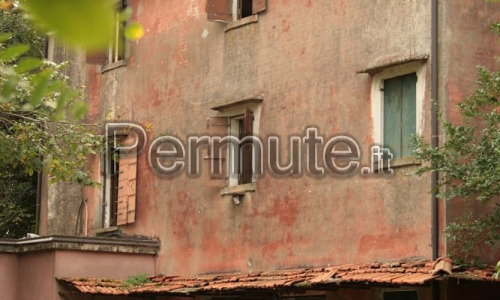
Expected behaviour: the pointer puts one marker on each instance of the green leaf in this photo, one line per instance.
(5, 36)
(125, 14)
(8, 88)
(134, 31)
(28, 64)
(13, 52)
(79, 109)
(84, 23)
(42, 81)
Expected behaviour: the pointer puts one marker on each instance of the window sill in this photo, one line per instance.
(112, 66)
(240, 189)
(106, 231)
(242, 22)
(398, 163)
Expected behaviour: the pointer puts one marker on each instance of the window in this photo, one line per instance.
(399, 114)
(116, 51)
(120, 186)
(401, 295)
(231, 163)
(241, 160)
(397, 101)
(115, 55)
(233, 10)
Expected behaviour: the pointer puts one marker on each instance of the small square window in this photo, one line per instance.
(232, 10)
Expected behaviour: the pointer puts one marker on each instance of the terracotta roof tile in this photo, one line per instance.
(398, 273)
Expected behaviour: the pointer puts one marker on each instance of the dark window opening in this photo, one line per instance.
(245, 165)
(246, 8)
(401, 295)
(113, 189)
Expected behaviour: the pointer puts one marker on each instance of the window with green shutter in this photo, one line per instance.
(399, 114)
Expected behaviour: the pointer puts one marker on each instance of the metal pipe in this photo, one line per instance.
(434, 128)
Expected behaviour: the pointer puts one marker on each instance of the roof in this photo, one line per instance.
(392, 273)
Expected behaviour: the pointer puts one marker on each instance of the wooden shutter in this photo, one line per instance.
(246, 176)
(409, 112)
(219, 10)
(127, 182)
(399, 114)
(216, 126)
(258, 6)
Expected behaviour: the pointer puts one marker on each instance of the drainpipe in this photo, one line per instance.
(434, 127)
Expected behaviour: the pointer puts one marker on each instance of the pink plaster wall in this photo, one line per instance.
(302, 57)
(8, 275)
(32, 275)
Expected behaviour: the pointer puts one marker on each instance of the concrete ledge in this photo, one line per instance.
(112, 66)
(242, 22)
(99, 244)
(393, 62)
(238, 189)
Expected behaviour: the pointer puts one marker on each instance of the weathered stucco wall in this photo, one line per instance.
(33, 275)
(302, 58)
(61, 201)
(8, 275)
(468, 42)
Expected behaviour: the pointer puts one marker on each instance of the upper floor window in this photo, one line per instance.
(233, 10)
(397, 100)
(116, 51)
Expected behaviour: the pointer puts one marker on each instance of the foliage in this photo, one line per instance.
(82, 23)
(497, 272)
(24, 31)
(38, 125)
(468, 233)
(17, 205)
(136, 280)
(35, 132)
(468, 159)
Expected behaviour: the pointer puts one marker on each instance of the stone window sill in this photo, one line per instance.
(112, 66)
(398, 163)
(242, 22)
(104, 231)
(240, 189)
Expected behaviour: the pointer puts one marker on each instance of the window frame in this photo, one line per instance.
(116, 163)
(230, 12)
(234, 111)
(113, 55)
(377, 97)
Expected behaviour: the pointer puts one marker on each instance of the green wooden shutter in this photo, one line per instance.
(392, 115)
(399, 114)
(409, 112)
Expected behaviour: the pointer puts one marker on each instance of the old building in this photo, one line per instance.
(333, 78)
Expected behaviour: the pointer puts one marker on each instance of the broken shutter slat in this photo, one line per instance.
(219, 10)
(216, 127)
(247, 148)
(258, 6)
(127, 184)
